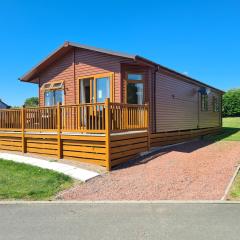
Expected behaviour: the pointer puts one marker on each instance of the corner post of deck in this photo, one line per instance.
(148, 126)
(59, 143)
(23, 129)
(107, 133)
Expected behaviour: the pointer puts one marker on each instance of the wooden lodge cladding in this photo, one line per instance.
(104, 107)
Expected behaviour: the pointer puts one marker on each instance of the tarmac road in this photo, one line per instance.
(195, 221)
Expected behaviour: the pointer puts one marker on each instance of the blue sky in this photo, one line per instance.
(200, 38)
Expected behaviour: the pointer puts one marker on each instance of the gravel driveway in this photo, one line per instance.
(196, 170)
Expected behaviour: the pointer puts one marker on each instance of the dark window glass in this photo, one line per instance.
(135, 93)
(204, 102)
(215, 104)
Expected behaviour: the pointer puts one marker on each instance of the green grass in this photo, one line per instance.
(231, 130)
(234, 193)
(22, 181)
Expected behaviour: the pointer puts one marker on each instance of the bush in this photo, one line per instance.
(231, 103)
(31, 102)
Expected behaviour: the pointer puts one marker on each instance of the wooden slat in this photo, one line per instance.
(10, 134)
(42, 145)
(84, 143)
(41, 151)
(127, 136)
(128, 153)
(85, 160)
(129, 147)
(10, 139)
(88, 138)
(84, 155)
(84, 149)
(123, 159)
(41, 136)
(41, 141)
(128, 142)
(11, 148)
(12, 143)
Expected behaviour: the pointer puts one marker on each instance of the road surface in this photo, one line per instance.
(40, 221)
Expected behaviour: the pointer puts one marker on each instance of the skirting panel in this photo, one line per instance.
(127, 146)
(167, 138)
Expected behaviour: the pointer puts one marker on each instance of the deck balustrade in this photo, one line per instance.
(81, 118)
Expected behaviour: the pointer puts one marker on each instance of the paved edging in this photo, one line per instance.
(230, 183)
(72, 171)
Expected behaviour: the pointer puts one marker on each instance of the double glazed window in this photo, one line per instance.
(204, 102)
(215, 104)
(95, 89)
(135, 88)
(53, 93)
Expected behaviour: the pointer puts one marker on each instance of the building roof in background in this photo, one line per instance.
(31, 75)
(3, 103)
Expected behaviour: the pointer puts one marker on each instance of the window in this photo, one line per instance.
(49, 98)
(103, 88)
(54, 93)
(96, 88)
(215, 104)
(57, 85)
(47, 85)
(135, 88)
(204, 102)
(136, 77)
(53, 97)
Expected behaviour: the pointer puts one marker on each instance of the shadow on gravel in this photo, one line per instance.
(187, 147)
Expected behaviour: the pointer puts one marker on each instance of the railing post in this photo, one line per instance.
(148, 126)
(107, 133)
(59, 142)
(23, 129)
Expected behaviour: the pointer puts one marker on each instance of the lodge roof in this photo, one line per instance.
(31, 75)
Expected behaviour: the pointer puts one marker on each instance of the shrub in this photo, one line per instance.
(231, 103)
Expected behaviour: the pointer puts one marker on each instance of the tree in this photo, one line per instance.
(231, 103)
(31, 102)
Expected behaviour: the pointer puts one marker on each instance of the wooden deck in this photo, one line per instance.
(92, 133)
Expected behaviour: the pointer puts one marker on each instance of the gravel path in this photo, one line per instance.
(191, 171)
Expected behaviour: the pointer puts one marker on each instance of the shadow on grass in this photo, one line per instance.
(226, 133)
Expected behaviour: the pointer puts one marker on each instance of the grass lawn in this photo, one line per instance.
(234, 193)
(21, 181)
(231, 130)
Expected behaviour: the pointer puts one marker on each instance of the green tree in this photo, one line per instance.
(31, 102)
(231, 103)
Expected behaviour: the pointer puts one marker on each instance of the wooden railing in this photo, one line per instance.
(125, 117)
(83, 118)
(44, 118)
(11, 119)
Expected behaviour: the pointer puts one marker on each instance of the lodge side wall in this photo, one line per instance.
(178, 105)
